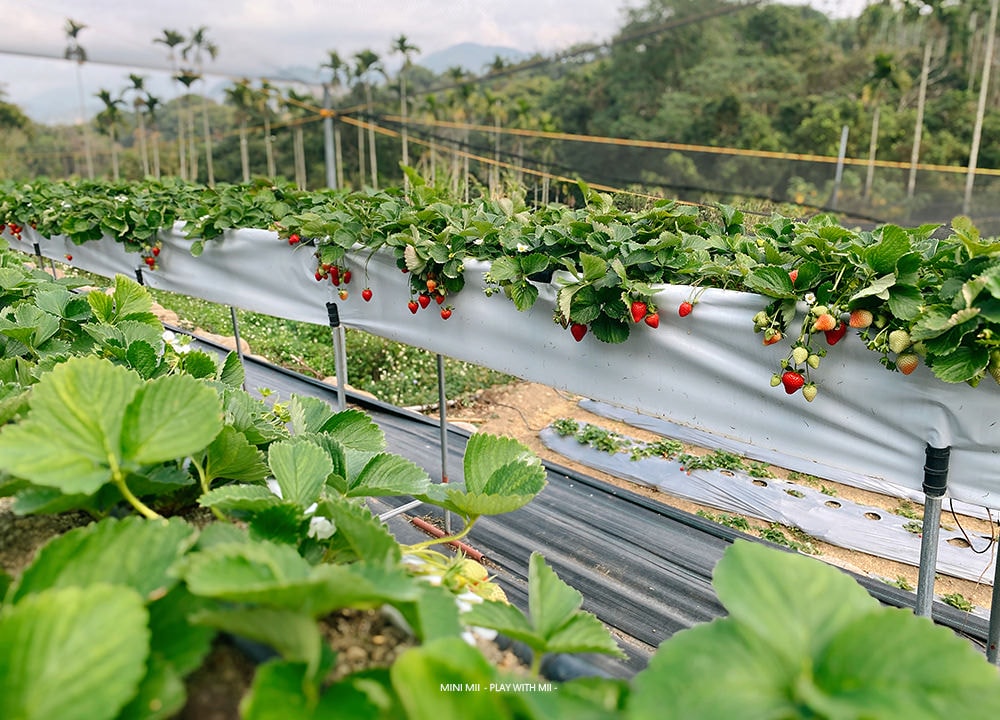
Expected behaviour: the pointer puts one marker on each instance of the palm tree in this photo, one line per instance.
(151, 103)
(458, 103)
(75, 51)
(201, 45)
(295, 106)
(494, 106)
(171, 39)
(240, 96)
(262, 106)
(188, 77)
(108, 121)
(402, 46)
(431, 110)
(338, 69)
(367, 63)
(138, 91)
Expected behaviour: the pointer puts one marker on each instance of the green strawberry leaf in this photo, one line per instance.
(171, 417)
(883, 256)
(174, 637)
(300, 468)
(961, 364)
(239, 498)
(230, 455)
(161, 694)
(277, 694)
(293, 635)
(771, 280)
(143, 358)
(131, 552)
(905, 301)
(232, 373)
(72, 653)
(359, 534)
(282, 523)
(389, 474)
(879, 288)
(308, 414)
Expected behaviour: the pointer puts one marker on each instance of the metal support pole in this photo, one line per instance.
(328, 148)
(443, 426)
(236, 337)
(839, 176)
(935, 485)
(41, 260)
(339, 354)
(993, 635)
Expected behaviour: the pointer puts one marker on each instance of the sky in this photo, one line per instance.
(260, 38)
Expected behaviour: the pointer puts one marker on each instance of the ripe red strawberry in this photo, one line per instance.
(824, 322)
(792, 381)
(638, 310)
(69, 257)
(318, 275)
(424, 299)
(150, 261)
(366, 294)
(343, 294)
(794, 275)
(578, 330)
(413, 306)
(861, 318)
(834, 336)
(653, 320)
(439, 297)
(294, 239)
(907, 363)
(156, 251)
(773, 338)
(685, 309)
(335, 275)
(346, 276)
(445, 313)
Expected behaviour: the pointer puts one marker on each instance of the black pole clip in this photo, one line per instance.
(138, 276)
(38, 251)
(936, 471)
(333, 314)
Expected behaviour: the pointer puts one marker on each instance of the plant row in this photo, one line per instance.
(912, 295)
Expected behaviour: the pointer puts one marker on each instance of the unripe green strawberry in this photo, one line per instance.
(799, 354)
(899, 340)
(994, 365)
(760, 319)
(775, 380)
(809, 392)
(813, 361)
(818, 310)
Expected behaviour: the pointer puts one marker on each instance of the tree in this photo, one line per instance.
(331, 129)
(75, 51)
(201, 46)
(367, 62)
(885, 72)
(402, 46)
(241, 96)
(262, 107)
(296, 107)
(108, 121)
(188, 77)
(138, 91)
(171, 39)
(151, 103)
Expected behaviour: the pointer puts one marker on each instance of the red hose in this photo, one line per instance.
(438, 532)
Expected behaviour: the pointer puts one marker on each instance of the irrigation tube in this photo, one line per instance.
(935, 485)
(339, 354)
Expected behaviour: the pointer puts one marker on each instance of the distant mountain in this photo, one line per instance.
(471, 56)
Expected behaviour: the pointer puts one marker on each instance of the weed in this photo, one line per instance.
(958, 600)
(734, 521)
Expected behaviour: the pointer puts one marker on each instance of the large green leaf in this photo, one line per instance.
(72, 653)
(716, 671)
(171, 417)
(772, 281)
(485, 454)
(133, 552)
(308, 414)
(175, 638)
(388, 474)
(883, 256)
(355, 430)
(230, 455)
(913, 670)
(277, 694)
(962, 364)
(73, 428)
(239, 498)
(788, 599)
(359, 534)
(161, 693)
(300, 468)
(292, 634)
(419, 674)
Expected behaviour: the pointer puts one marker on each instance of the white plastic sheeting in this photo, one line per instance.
(707, 371)
(835, 520)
